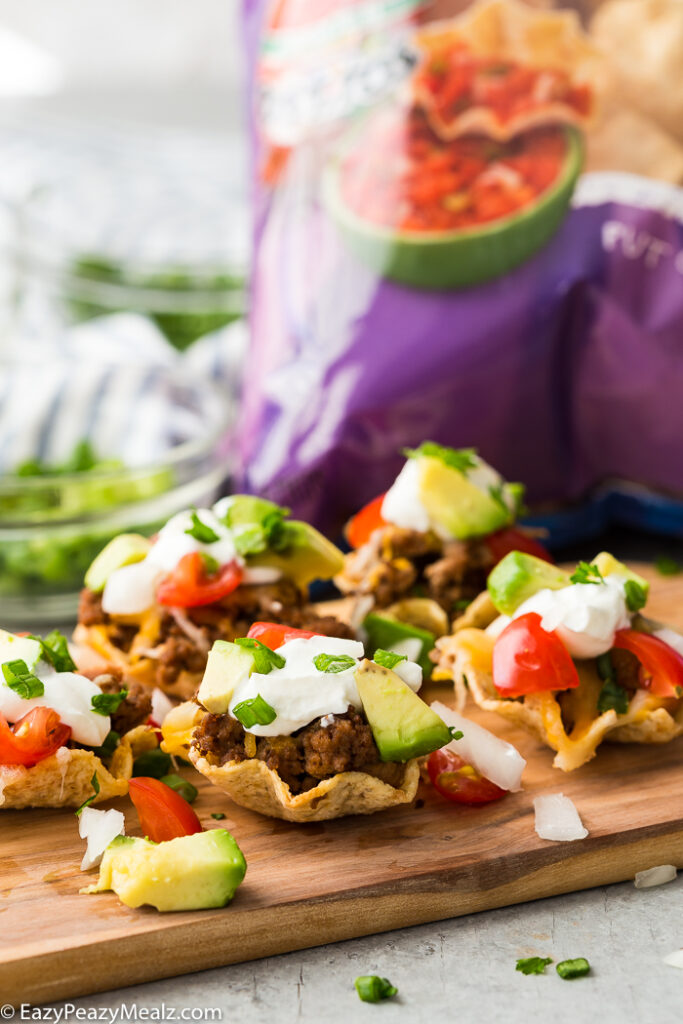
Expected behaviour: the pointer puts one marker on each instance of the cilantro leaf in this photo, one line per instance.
(460, 459)
(636, 595)
(255, 711)
(373, 989)
(107, 703)
(388, 659)
(201, 532)
(533, 964)
(586, 572)
(95, 783)
(333, 662)
(613, 696)
(264, 658)
(24, 683)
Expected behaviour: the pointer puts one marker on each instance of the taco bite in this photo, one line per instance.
(64, 739)
(570, 657)
(302, 727)
(153, 608)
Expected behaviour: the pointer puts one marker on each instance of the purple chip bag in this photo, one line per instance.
(518, 293)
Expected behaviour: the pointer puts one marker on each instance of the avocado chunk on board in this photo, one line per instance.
(196, 872)
(384, 632)
(227, 666)
(456, 504)
(518, 576)
(402, 725)
(125, 549)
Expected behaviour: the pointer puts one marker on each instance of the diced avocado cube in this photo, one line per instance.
(193, 872)
(383, 632)
(228, 665)
(122, 550)
(610, 566)
(518, 576)
(19, 648)
(456, 504)
(402, 724)
(305, 555)
(247, 510)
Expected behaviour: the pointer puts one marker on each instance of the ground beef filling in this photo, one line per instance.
(135, 709)
(403, 563)
(313, 753)
(176, 652)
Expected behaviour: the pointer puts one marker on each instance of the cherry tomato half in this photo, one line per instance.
(662, 665)
(458, 781)
(528, 659)
(502, 542)
(33, 738)
(189, 585)
(163, 813)
(360, 528)
(274, 635)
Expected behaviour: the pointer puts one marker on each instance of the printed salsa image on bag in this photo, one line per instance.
(468, 228)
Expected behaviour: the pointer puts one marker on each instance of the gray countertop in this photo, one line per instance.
(459, 970)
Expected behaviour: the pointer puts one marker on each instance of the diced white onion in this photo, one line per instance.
(492, 757)
(411, 646)
(161, 705)
(191, 631)
(557, 818)
(99, 828)
(675, 959)
(658, 875)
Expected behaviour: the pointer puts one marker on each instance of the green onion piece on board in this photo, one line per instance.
(373, 989)
(577, 968)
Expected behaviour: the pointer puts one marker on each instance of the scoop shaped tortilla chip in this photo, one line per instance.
(508, 30)
(466, 657)
(65, 778)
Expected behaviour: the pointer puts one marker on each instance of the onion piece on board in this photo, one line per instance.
(557, 818)
(492, 757)
(99, 828)
(675, 959)
(655, 876)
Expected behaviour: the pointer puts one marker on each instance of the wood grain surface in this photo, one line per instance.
(317, 883)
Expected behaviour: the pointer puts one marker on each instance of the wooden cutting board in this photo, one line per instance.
(311, 884)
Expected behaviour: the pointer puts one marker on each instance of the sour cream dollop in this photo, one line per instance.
(131, 589)
(299, 692)
(70, 695)
(585, 615)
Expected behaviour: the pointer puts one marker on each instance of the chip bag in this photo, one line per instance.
(468, 229)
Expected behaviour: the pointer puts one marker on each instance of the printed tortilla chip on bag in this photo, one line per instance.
(468, 230)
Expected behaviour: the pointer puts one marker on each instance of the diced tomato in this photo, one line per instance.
(529, 659)
(33, 738)
(458, 781)
(189, 585)
(274, 635)
(662, 666)
(502, 542)
(163, 813)
(364, 523)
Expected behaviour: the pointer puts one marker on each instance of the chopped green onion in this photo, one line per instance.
(461, 604)
(55, 650)
(636, 595)
(250, 540)
(456, 734)
(667, 566)
(201, 532)
(605, 666)
(255, 711)
(388, 659)
(271, 532)
(211, 564)
(153, 764)
(180, 785)
(612, 695)
(460, 459)
(108, 703)
(333, 662)
(577, 968)
(264, 658)
(586, 572)
(533, 964)
(19, 679)
(110, 744)
(218, 815)
(373, 989)
(496, 492)
(95, 783)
